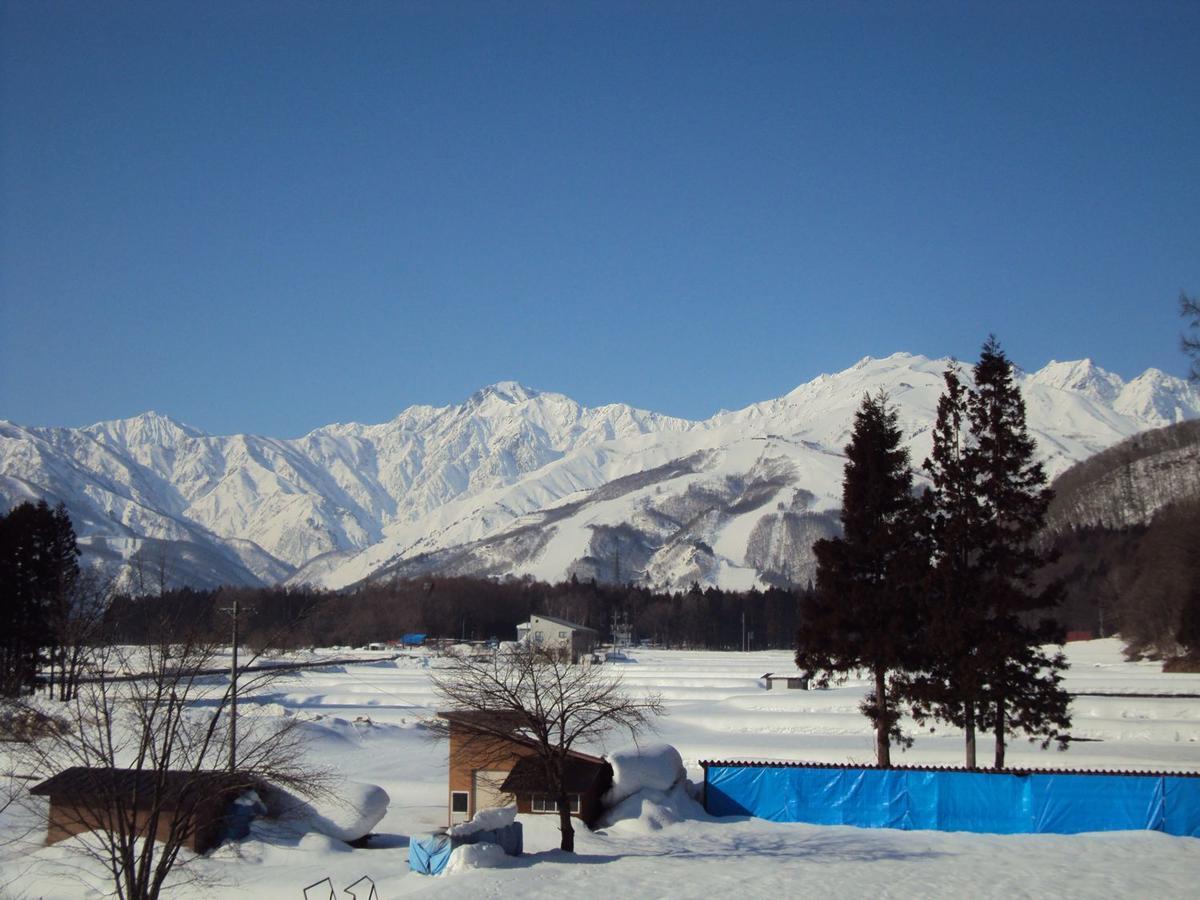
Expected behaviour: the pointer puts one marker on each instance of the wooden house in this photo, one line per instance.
(492, 766)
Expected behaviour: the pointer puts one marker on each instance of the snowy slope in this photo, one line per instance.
(518, 481)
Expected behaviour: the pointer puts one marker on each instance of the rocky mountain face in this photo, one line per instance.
(518, 481)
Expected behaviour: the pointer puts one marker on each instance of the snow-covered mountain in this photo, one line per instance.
(525, 482)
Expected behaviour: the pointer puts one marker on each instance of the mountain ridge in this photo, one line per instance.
(347, 501)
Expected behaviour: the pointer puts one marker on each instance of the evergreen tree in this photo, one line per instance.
(950, 685)
(1023, 682)
(861, 615)
(39, 575)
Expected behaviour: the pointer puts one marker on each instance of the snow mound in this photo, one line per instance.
(349, 812)
(651, 810)
(474, 856)
(657, 767)
(314, 842)
(486, 820)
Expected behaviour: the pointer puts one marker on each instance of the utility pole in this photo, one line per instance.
(233, 688)
(233, 695)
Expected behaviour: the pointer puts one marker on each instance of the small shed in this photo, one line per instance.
(793, 682)
(86, 799)
(586, 779)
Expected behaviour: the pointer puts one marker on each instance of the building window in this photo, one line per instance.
(541, 803)
(458, 801)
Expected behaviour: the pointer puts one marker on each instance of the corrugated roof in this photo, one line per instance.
(706, 763)
(107, 784)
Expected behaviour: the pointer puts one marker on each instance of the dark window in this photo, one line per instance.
(458, 801)
(540, 803)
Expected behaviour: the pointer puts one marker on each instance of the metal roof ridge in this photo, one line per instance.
(784, 764)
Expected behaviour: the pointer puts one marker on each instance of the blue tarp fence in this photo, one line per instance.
(956, 800)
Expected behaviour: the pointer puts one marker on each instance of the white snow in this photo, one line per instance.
(346, 811)
(466, 857)
(655, 766)
(486, 820)
(659, 843)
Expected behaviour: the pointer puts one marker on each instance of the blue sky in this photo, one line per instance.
(269, 216)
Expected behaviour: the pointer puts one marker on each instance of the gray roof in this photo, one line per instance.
(562, 622)
(165, 788)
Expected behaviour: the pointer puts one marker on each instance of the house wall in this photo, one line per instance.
(589, 806)
(469, 752)
(549, 635)
(67, 819)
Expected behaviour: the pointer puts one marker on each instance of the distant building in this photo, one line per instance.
(795, 682)
(489, 769)
(558, 635)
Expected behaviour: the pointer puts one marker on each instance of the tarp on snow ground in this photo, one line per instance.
(429, 853)
(998, 803)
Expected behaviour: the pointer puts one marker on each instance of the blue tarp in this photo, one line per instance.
(412, 639)
(1001, 803)
(510, 838)
(429, 853)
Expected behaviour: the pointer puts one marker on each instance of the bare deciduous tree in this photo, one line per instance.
(149, 728)
(545, 700)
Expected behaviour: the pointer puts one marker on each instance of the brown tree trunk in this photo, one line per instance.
(564, 823)
(1001, 727)
(883, 754)
(969, 731)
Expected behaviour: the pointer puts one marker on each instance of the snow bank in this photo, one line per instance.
(650, 809)
(350, 811)
(650, 789)
(486, 820)
(474, 856)
(658, 767)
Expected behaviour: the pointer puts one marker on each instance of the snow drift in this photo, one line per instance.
(650, 790)
(348, 813)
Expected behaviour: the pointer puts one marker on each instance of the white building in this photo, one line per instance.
(558, 635)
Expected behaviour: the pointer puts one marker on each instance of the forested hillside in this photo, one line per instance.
(1126, 524)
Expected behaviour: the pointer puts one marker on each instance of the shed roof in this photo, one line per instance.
(579, 774)
(166, 787)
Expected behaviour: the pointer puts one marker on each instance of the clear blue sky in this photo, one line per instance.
(269, 216)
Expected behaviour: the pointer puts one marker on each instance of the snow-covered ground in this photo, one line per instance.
(365, 721)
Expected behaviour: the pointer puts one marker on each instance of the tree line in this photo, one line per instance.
(465, 609)
(50, 610)
(936, 594)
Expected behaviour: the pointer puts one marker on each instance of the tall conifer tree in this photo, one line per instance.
(1023, 681)
(861, 616)
(950, 683)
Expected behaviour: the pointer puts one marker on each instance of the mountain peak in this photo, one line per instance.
(511, 392)
(150, 427)
(1082, 376)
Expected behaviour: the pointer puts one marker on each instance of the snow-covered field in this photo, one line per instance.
(365, 722)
